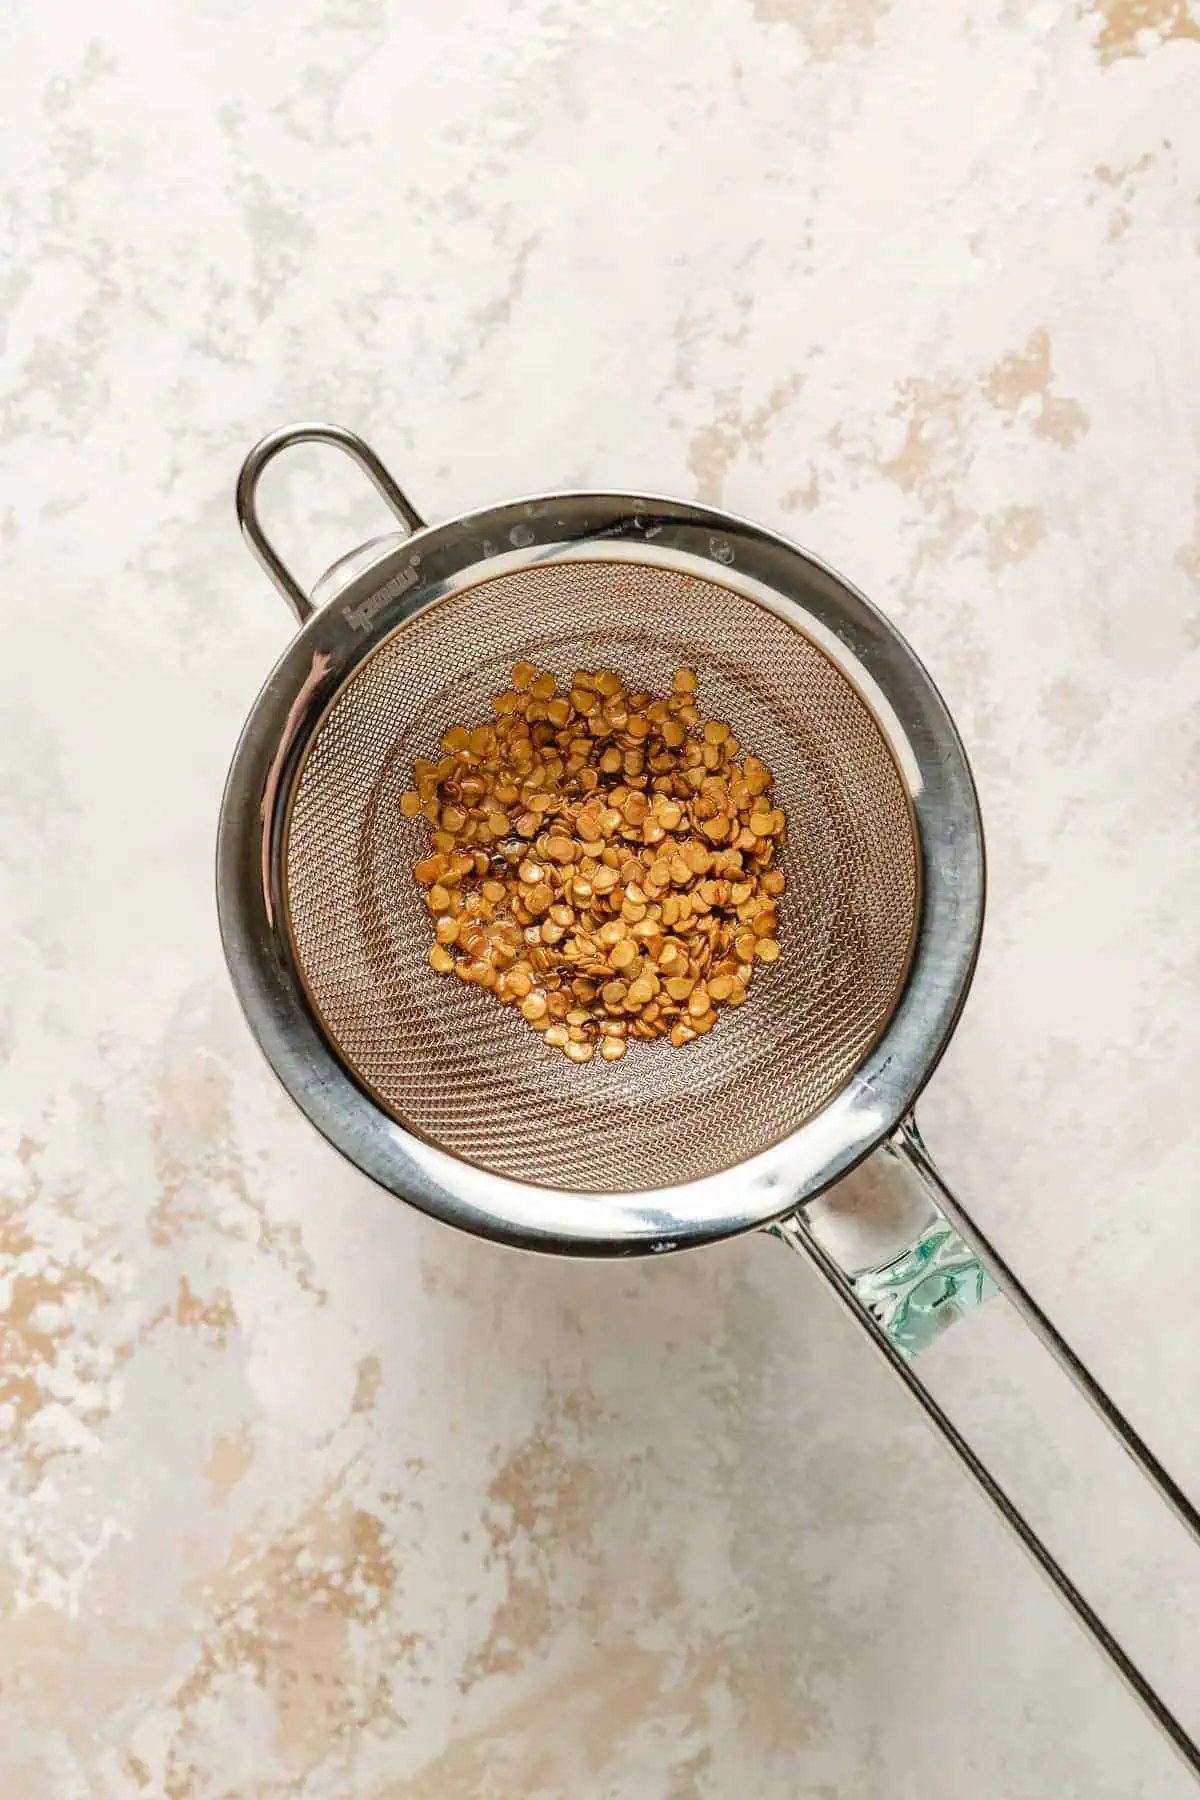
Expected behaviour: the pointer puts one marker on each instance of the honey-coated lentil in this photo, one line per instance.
(601, 859)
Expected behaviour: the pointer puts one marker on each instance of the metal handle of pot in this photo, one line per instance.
(904, 1303)
(264, 452)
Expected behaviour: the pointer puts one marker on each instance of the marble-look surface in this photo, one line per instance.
(304, 1496)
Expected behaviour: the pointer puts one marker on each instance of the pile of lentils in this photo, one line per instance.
(601, 859)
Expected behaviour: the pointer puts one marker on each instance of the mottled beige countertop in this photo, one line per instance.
(304, 1496)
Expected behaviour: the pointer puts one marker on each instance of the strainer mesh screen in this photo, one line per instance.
(465, 1073)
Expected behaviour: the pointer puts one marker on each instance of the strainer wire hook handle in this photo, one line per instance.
(265, 452)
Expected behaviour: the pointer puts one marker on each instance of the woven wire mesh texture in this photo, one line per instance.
(465, 1073)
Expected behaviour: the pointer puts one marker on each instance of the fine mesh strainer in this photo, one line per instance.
(445, 1098)
(440, 1056)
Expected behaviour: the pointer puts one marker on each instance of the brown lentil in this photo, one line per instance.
(601, 858)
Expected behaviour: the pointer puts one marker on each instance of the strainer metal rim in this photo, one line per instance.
(718, 547)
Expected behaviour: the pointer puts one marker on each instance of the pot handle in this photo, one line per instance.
(904, 1302)
(264, 452)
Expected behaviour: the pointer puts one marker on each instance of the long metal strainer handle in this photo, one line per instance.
(956, 1264)
(264, 452)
